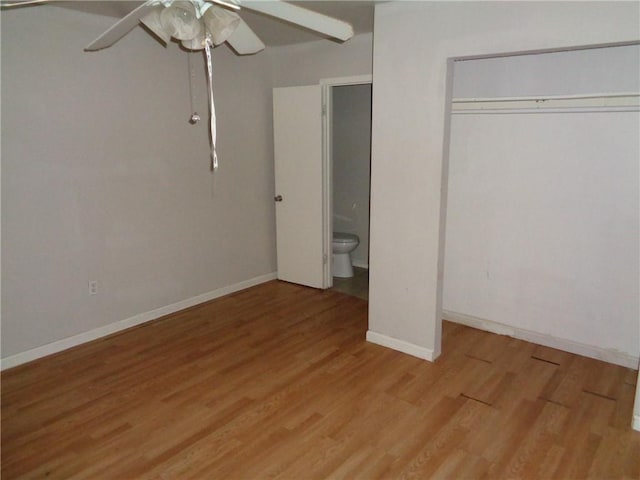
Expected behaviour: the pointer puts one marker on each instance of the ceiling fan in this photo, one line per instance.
(189, 21)
(205, 24)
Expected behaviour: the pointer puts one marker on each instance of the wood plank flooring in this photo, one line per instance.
(277, 382)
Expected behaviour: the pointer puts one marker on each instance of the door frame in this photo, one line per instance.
(327, 85)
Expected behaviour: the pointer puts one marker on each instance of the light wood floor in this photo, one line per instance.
(277, 382)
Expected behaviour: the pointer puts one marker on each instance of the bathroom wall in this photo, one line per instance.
(351, 153)
(543, 210)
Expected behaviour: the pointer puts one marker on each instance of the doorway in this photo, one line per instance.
(303, 146)
(348, 163)
(532, 138)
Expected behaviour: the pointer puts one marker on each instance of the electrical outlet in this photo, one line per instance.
(93, 287)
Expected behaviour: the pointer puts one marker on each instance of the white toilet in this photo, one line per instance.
(343, 245)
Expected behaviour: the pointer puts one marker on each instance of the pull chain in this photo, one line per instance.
(195, 118)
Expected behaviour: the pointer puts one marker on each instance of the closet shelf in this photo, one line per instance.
(610, 102)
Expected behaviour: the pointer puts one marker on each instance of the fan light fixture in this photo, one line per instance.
(203, 24)
(191, 23)
(220, 23)
(179, 21)
(198, 25)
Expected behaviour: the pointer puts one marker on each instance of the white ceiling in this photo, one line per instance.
(272, 32)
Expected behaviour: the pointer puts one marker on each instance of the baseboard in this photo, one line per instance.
(359, 264)
(636, 423)
(592, 351)
(402, 346)
(69, 342)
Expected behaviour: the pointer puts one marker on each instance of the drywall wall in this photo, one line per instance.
(308, 63)
(577, 72)
(412, 46)
(543, 209)
(543, 224)
(104, 179)
(351, 154)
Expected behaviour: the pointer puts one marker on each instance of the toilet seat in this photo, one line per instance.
(340, 237)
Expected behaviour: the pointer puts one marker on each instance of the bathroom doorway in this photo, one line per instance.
(349, 150)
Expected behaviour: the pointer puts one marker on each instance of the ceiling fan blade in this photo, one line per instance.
(21, 3)
(244, 41)
(231, 4)
(317, 22)
(121, 28)
(152, 21)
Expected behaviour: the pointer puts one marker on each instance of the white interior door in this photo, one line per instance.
(297, 124)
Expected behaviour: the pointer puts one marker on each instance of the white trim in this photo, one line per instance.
(635, 422)
(520, 110)
(327, 179)
(327, 173)
(616, 102)
(591, 351)
(353, 80)
(402, 346)
(96, 333)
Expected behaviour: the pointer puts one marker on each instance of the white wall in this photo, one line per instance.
(590, 71)
(543, 209)
(104, 179)
(308, 63)
(543, 225)
(351, 153)
(412, 45)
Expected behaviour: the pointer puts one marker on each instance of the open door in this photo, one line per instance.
(297, 124)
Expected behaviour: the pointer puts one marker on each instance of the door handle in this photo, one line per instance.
(278, 198)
